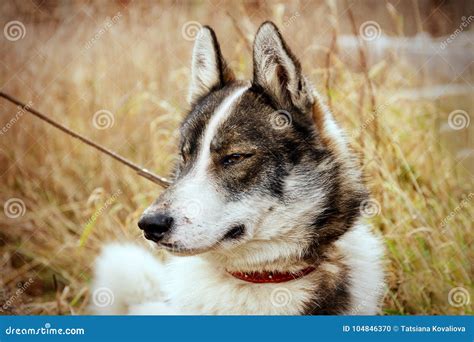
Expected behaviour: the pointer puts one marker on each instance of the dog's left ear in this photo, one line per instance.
(209, 70)
(277, 70)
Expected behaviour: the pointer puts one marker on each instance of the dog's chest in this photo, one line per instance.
(197, 288)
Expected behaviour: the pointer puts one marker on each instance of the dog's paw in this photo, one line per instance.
(125, 275)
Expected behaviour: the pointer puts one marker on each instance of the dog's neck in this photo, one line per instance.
(261, 257)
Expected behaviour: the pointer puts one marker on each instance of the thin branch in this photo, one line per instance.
(141, 171)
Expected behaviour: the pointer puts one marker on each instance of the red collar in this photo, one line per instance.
(271, 277)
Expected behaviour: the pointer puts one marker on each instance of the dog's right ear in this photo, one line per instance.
(278, 71)
(209, 70)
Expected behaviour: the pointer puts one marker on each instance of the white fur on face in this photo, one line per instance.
(202, 216)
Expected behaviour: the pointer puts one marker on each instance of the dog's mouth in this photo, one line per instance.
(234, 233)
(177, 249)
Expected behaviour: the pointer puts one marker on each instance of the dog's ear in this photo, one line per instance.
(277, 70)
(208, 70)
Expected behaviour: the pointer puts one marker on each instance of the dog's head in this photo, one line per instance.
(254, 164)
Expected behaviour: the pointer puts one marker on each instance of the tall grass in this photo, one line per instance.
(137, 69)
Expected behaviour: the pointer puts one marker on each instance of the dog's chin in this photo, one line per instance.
(178, 250)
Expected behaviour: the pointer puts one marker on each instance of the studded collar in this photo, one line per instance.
(271, 277)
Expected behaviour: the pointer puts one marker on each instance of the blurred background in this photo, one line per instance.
(398, 76)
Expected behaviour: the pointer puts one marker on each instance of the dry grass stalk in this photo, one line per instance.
(365, 70)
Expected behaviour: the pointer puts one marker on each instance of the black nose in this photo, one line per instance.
(155, 226)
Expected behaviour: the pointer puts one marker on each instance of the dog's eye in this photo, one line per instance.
(234, 158)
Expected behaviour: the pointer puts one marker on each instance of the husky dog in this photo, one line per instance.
(264, 214)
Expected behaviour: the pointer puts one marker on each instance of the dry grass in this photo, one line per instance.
(137, 69)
